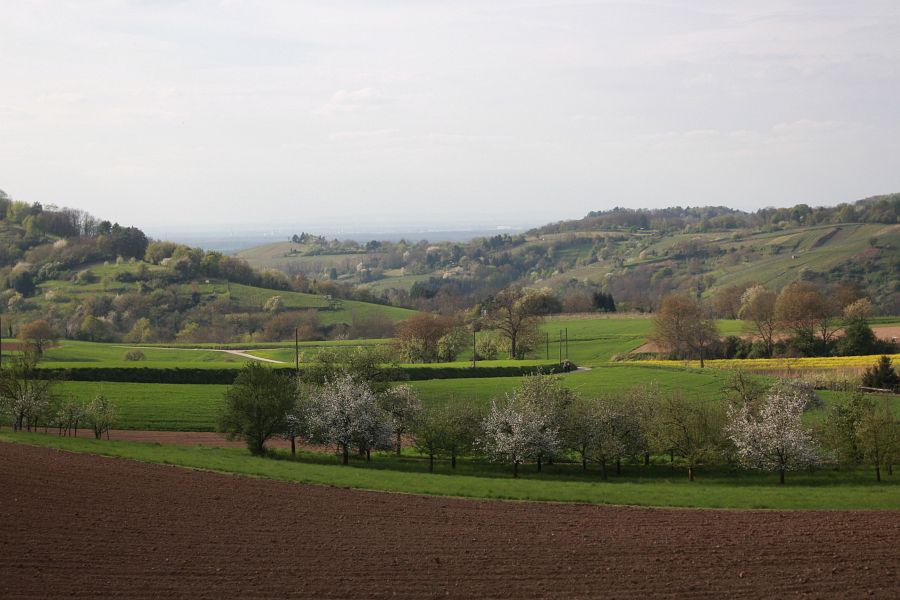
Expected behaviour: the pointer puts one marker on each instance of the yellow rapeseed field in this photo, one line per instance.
(787, 364)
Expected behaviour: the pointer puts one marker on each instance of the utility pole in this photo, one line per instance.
(560, 346)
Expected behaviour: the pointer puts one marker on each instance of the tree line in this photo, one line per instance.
(30, 403)
(801, 320)
(752, 426)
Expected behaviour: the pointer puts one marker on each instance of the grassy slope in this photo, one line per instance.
(784, 253)
(276, 255)
(248, 297)
(654, 486)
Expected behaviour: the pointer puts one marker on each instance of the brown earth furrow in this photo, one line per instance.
(85, 526)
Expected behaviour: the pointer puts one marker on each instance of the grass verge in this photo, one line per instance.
(821, 490)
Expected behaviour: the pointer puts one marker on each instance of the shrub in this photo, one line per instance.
(881, 375)
(256, 406)
(134, 355)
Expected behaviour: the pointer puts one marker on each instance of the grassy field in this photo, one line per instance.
(594, 340)
(658, 485)
(195, 407)
(154, 406)
(70, 353)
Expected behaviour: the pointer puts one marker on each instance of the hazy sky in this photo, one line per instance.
(166, 113)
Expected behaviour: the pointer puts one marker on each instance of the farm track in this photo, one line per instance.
(78, 525)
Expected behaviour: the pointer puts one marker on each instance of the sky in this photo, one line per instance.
(170, 114)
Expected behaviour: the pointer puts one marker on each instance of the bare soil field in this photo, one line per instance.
(77, 525)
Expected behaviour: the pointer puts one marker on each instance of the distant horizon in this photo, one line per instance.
(233, 236)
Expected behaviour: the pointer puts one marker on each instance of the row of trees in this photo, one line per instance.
(510, 319)
(29, 403)
(544, 421)
(877, 209)
(801, 320)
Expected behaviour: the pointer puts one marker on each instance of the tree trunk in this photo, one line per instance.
(890, 468)
(603, 468)
(539, 463)
(346, 454)
(398, 443)
(515, 468)
(618, 466)
(583, 463)
(781, 476)
(293, 445)
(368, 455)
(690, 472)
(877, 472)
(453, 458)
(646, 459)
(431, 463)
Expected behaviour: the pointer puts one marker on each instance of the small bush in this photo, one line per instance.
(882, 375)
(134, 355)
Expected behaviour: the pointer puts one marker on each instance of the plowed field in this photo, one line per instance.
(84, 526)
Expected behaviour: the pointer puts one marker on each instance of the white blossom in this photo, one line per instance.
(515, 430)
(344, 412)
(773, 437)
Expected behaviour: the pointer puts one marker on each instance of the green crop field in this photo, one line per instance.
(69, 353)
(657, 485)
(189, 407)
(154, 406)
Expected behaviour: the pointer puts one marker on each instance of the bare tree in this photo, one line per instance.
(683, 326)
(804, 310)
(758, 308)
(515, 312)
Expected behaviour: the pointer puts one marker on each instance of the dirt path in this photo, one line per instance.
(85, 526)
